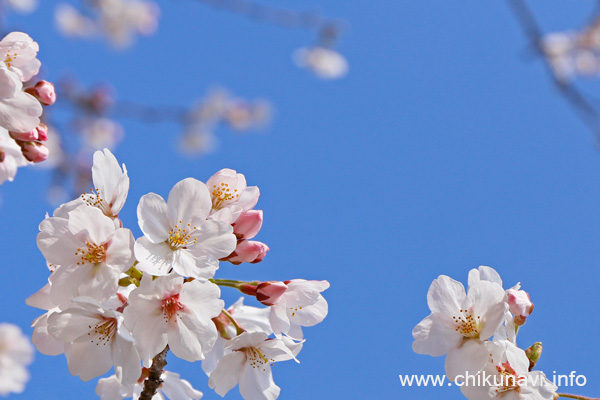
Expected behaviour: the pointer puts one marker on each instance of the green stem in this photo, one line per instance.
(575, 396)
(238, 329)
(232, 283)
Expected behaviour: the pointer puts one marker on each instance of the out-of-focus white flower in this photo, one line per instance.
(324, 63)
(167, 310)
(172, 387)
(72, 23)
(100, 133)
(10, 157)
(16, 353)
(177, 235)
(99, 340)
(22, 6)
(249, 365)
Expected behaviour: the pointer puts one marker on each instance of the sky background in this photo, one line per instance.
(445, 148)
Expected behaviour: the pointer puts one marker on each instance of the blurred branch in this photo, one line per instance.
(579, 102)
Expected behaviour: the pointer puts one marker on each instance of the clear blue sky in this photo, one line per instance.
(445, 148)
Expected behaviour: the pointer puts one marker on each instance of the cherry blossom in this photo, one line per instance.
(91, 252)
(230, 196)
(111, 183)
(98, 334)
(323, 62)
(457, 316)
(15, 354)
(172, 387)
(300, 305)
(168, 311)
(177, 236)
(11, 157)
(249, 365)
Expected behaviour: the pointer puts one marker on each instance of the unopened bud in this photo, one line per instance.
(42, 131)
(44, 92)
(29, 136)
(268, 292)
(34, 151)
(248, 251)
(520, 305)
(534, 352)
(2, 156)
(248, 224)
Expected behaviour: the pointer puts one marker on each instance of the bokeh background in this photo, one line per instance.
(445, 148)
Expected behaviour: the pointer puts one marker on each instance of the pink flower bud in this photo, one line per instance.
(30, 136)
(248, 224)
(248, 251)
(34, 151)
(42, 131)
(268, 292)
(520, 305)
(44, 92)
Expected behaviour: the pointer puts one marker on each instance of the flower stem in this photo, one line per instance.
(575, 396)
(153, 382)
(239, 330)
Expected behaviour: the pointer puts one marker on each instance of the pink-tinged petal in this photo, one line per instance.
(10, 84)
(189, 339)
(80, 357)
(483, 273)
(309, 315)
(20, 113)
(279, 320)
(154, 258)
(98, 226)
(126, 360)
(303, 293)
(203, 299)
(150, 332)
(153, 218)
(517, 358)
(110, 180)
(176, 388)
(100, 281)
(41, 299)
(43, 341)
(227, 374)
(492, 320)
(119, 253)
(64, 209)
(189, 202)
(257, 383)
(65, 282)
(249, 198)
(445, 295)
(471, 357)
(436, 335)
(72, 324)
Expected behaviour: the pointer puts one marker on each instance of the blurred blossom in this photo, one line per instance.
(324, 63)
(100, 132)
(16, 352)
(21, 6)
(118, 20)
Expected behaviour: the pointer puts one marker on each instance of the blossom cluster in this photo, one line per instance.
(22, 135)
(16, 353)
(113, 301)
(476, 330)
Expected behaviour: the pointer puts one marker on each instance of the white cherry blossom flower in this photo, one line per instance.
(11, 157)
(249, 365)
(457, 316)
(505, 375)
(230, 196)
(91, 252)
(177, 235)
(96, 334)
(168, 311)
(300, 305)
(15, 354)
(172, 387)
(19, 54)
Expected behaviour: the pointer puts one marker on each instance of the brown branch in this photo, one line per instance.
(153, 382)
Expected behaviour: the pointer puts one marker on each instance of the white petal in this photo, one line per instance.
(20, 113)
(227, 374)
(153, 218)
(189, 202)
(445, 295)
(154, 258)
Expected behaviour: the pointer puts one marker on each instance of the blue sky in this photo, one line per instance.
(444, 149)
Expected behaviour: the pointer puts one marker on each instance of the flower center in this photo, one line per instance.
(10, 58)
(103, 331)
(171, 306)
(95, 253)
(508, 378)
(467, 324)
(222, 193)
(256, 358)
(96, 200)
(180, 238)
